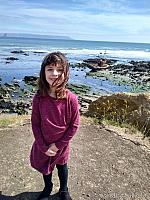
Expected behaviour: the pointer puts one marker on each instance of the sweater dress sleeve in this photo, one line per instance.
(73, 125)
(36, 125)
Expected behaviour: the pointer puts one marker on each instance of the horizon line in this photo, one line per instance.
(6, 35)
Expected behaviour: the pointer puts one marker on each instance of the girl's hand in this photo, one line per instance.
(53, 147)
(52, 150)
(50, 153)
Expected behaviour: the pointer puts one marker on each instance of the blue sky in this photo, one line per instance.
(103, 20)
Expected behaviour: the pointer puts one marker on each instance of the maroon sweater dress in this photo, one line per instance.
(53, 121)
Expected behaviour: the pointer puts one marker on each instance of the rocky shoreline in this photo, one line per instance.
(17, 99)
(134, 73)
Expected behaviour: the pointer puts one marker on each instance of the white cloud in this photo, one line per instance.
(20, 16)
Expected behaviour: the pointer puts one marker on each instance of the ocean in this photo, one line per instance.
(75, 51)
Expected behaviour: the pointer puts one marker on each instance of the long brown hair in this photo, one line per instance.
(43, 86)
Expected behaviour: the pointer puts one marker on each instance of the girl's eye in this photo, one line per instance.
(60, 70)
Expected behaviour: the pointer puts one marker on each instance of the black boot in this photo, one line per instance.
(48, 187)
(64, 195)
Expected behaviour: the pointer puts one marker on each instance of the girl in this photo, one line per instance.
(55, 120)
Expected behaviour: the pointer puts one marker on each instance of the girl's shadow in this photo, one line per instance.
(28, 196)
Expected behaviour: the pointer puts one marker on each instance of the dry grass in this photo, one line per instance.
(9, 120)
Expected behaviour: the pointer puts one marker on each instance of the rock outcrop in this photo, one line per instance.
(130, 108)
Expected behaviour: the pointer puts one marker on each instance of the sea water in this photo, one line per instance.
(76, 51)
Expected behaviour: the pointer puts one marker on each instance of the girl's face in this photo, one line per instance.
(53, 72)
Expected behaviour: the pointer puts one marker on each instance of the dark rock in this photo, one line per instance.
(97, 64)
(3, 91)
(31, 80)
(97, 60)
(6, 104)
(38, 52)
(20, 52)
(7, 62)
(11, 58)
(146, 79)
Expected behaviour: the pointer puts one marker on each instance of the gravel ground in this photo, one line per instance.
(102, 166)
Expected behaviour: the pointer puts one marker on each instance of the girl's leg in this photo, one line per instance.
(47, 180)
(63, 176)
(48, 186)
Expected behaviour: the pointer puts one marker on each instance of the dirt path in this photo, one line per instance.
(103, 166)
